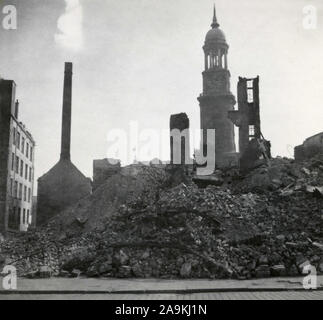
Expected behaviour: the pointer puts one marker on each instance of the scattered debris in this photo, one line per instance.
(138, 224)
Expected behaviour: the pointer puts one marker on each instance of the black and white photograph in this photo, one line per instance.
(161, 154)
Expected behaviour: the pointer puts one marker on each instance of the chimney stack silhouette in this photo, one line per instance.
(67, 113)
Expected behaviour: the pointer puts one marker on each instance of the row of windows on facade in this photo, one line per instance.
(16, 191)
(22, 168)
(22, 145)
(15, 217)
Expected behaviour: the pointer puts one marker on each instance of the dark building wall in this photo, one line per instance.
(7, 96)
(247, 117)
(214, 115)
(34, 220)
(179, 139)
(299, 153)
(61, 187)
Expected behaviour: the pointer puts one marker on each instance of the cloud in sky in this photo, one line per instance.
(69, 24)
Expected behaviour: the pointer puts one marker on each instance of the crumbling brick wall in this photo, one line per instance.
(247, 117)
(179, 139)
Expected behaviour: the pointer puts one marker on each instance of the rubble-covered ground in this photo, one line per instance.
(268, 223)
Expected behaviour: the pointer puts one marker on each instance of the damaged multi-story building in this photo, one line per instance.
(64, 184)
(252, 144)
(17, 148)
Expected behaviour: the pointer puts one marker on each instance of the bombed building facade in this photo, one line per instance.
(64, 184)
(252, 144)
(179, 139)
(17, 148)
(247, 117)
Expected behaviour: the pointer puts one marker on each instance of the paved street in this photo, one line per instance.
(158, 289)
(112, 285)
(299, 295)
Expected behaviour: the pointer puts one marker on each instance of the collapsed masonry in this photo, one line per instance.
(266, 224)
(311, 147)
(103, 170)
(64, 184)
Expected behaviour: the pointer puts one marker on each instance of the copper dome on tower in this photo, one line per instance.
(215, 35)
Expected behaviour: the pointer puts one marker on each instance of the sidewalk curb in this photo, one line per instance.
(179, 291)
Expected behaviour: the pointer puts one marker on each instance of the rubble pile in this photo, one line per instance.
(137, 183)
(284, 175)
(136, 226)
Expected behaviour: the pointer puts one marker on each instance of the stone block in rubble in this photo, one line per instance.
(278, 271)
(315, 259)
(75, 273)
(155, 273)
(92, 271)
(124, 272)
(45, 272)
(2, 261)
(263, 260)
(177, 174)
(145, 255)
(251, 266)
(301, 260)
(303, 265)
(31, 275)
(64, 274)
(123, 257)
(281, 238)
(186, 270)
(137, 270)
(105, 268)
(80, 261)
(263, 272)
(292, 271)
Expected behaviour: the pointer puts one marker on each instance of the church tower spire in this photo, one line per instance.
(217, 100)
(215, 23)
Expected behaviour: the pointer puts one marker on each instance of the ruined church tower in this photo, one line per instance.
(217, 100)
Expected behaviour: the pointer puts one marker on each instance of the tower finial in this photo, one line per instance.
(215, 23)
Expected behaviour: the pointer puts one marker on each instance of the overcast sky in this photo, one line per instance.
(142, 60)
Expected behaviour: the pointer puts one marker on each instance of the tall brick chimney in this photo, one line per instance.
(67, 112)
